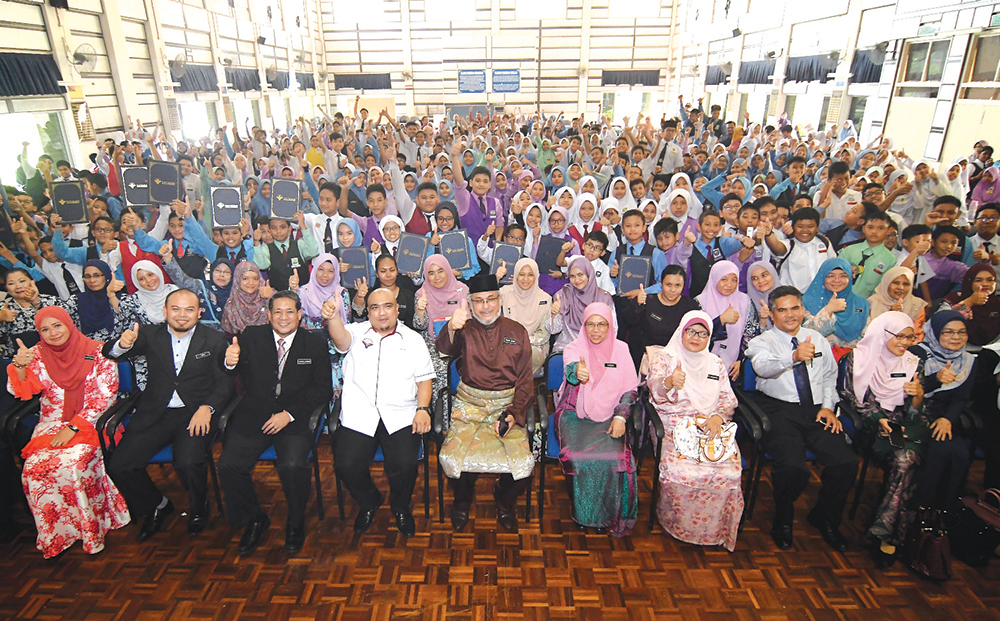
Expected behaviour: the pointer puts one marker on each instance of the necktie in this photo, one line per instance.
(232, 256)
(328, 236)
(585, 231)
(482, 206)
(631, 251)
(430, 223)
(70, 281)
(284, 250)
(801, 373)
(180, 248)
(281, 366)
(864, 259)
(987, 246)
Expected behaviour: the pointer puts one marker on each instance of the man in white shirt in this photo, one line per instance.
(797, 387)
(323, 226)
(388, 378)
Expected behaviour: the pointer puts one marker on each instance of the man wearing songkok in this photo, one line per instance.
(493, 358)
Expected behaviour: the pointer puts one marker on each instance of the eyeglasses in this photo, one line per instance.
(104, 230)
(594, 246)
(945, 333)
(600, 325)
(696, 334)
(906, 338)
(984, 219)
(486, 301)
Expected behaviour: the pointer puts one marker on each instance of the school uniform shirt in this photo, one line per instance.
(670, 155)
(800, 264)
(991, 246)
(381, 374)
(771, 356)
(872, 264)
(839, 205)
(728, 245)
(58, 272)
(316, 225)
(947, 275)
(603, 274)
(924, 271)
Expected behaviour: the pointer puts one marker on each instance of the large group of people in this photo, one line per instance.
(800, 263)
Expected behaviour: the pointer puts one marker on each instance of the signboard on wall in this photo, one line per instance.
(472, 81)
(506, 80)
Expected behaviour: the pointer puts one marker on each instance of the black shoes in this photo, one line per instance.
(364, 521)
(295, 538)
(459, 519)
(253, 534)
(507, 520)
(154, 521)
(831, 534)
(405, 524)
(197, 522)
(782, 535)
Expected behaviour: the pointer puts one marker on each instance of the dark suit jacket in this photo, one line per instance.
(305, 384)
(202, 381)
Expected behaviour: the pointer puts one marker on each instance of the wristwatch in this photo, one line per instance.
(424, 408)
(211, 411)
(73, 428)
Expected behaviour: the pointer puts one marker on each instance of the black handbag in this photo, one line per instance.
(929, 549)
(976, 535)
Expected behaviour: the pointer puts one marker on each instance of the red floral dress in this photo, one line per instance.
(69, 492)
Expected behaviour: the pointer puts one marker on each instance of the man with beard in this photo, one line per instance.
(381, 353)
(487, 434)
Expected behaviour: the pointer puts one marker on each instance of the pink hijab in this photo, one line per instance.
(441, 303)
(988, 191)
(704, 379)
(714, 303)
(878, 368)
(313, 295)
(612, 372)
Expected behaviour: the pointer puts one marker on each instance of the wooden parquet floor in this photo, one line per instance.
(559, 573)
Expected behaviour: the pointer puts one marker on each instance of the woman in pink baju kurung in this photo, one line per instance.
(70, 495)
(700, 503)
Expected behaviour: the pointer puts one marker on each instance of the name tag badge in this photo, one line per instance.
(713, 377)
(859, 310)
(294, 263)
(610, 365)
(822, 249)
(818, 354)
(304, 361)
(509, 341)
(543, 302)
(655, 317)
(452, 302)
(204, 354)
(722, 345)
(897, 375)
(88, 357)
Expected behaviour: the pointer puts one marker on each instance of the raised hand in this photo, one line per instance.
(422, 302)
(913, 388)
(689, 237)
(501, 270)
(490, 230)
(556, 305)
(164, 252)
(233, 353)
(641, 298)
(129, 336)
(376, 247)
(678, 377)
(459, 317)
(805, 351)
(24, 354)
(582, 372)
(115, 286)
(361, 286)
(8, 314)
(946, 375)
(331, 308)
(293, 280)
(836, 304)
(730, 315)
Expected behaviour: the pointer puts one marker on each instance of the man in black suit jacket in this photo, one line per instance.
(286, 372)
(187, 385)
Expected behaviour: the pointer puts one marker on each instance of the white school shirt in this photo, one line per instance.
(603, 274)
(771, 356)
(977, 243)
(381, 376)
(801, 264)
(839, 206)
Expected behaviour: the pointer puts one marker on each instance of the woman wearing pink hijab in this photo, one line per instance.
(877, 379)
(701, 501)
(735, 318)
(594, 401)
(439, 297)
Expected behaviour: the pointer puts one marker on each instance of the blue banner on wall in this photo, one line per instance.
(471, 81)
(506, 80)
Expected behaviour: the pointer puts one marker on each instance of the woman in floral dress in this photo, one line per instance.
(700, 502)
(68, 490)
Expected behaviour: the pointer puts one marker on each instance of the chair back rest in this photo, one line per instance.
(554, 372)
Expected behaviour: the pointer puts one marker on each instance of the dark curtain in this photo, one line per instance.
(756, 72)
(243, 79)
(196, 78)
(808, 69)
(24, 75)
(280, 81)
(645, 77)
(863, 70)
(362, 81)
(306, 81)
(715, 75)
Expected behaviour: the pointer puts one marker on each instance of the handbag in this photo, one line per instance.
(930, 552)
(691, 441)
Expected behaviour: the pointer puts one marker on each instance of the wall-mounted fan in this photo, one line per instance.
(877, 53)
(83, 58)
(271, 73)
(178, 66)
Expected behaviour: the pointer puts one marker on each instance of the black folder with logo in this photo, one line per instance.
(633, 271)
(410, 254)
(227, 206)
(165, 184)
(455, 247)
(135, 186)
(286, 196)
(549, 247)
(68, 201)
(510, 254)
(356, 259)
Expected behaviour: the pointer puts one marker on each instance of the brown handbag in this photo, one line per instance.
(930, 552)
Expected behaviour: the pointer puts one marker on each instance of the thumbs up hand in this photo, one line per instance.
(836, 304)
(914, 388)
(642, 295)
(114, 287)
(805, 351)
(765, 312)
(582, 372)
(678, 377)
(946, 375)
(459, 317)
(129, 336)
(24, 355)
(422, 302)
(293, 280)
(729, 316)
(331, 308)
(556, 305)
(233, 353)
(8, 314)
